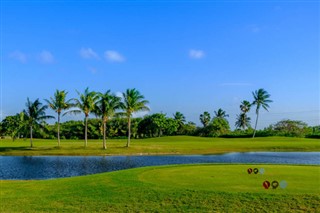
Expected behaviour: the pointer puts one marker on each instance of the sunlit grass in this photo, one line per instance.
(196, 188)
(162, 145)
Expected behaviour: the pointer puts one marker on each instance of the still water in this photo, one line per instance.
(47, 167)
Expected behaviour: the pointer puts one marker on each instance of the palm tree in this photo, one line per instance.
(180, 118)
(33, 114)
(105, 108)
(205, 118)
(132, 102)
(220, 113)
(245, 106)
(261, 99)
(58, 103)
(243, 121)
(86, 104)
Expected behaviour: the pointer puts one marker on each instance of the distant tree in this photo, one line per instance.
(180, 119)
(172, 126)
(13, 125)
(85, 104)
(58, 103)
(159, 121)
(291, 128)
(205, 118)
(218, 126)
(261, 99)
(245, 106)
(189, 128)
(132, 102)
(72, 129)
(220, 114)
(106, 107)
(35, 113)
(243, 121)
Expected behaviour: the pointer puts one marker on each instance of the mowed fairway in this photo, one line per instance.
(162, 145)
(196, 188)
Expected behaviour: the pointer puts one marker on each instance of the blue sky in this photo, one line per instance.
(182, 56)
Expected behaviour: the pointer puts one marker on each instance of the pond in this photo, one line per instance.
(47, 167)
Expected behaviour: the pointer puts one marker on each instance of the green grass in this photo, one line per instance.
(193, 188)
(155, 146)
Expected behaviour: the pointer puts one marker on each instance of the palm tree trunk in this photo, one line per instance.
(31, 143)
(104, 136)
(86, 132)
(255, 126)
(129, 131)
(58, 129)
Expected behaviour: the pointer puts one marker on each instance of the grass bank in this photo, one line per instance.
(196, 188)
(156, 146)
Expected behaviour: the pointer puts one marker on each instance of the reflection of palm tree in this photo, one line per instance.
(260, 100)
(132, 102)
(105, 108)
(86, 104)
(205, 118)
(220, 113)
(33, 114)
(59, 103)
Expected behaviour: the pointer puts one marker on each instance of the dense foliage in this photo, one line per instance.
(115, 119)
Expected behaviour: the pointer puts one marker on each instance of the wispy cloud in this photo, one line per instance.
(92, 70)
(119, 94)
(140, 114)
(254, 28)
(196, 54)
(46, 57)
(88, 53)
(235, 84)
(113, 56)
(19, 56)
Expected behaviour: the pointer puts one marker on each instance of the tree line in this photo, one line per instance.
(114, 119)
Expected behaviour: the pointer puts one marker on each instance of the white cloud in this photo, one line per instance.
(119, 94)
(2, 114)
(113, 56)
(19, 56)
(196, 54)
(46, 57)
(88, 53)
(140, 113)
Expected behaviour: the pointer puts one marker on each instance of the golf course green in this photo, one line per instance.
(196, 188)
(176, 188)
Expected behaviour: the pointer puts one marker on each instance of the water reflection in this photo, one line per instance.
(46, 167)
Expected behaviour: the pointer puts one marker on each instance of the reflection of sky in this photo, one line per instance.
(41, 167)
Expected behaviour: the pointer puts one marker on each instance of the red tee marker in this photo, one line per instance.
(249, 171)
(266, 184)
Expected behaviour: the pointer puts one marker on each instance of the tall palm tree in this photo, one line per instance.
(261, 99)
(85, 104)
(132, 102)
(105, 107)
(205, 118)
(220, 113)
(242, 121)
(33, 114)
(58, 103)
